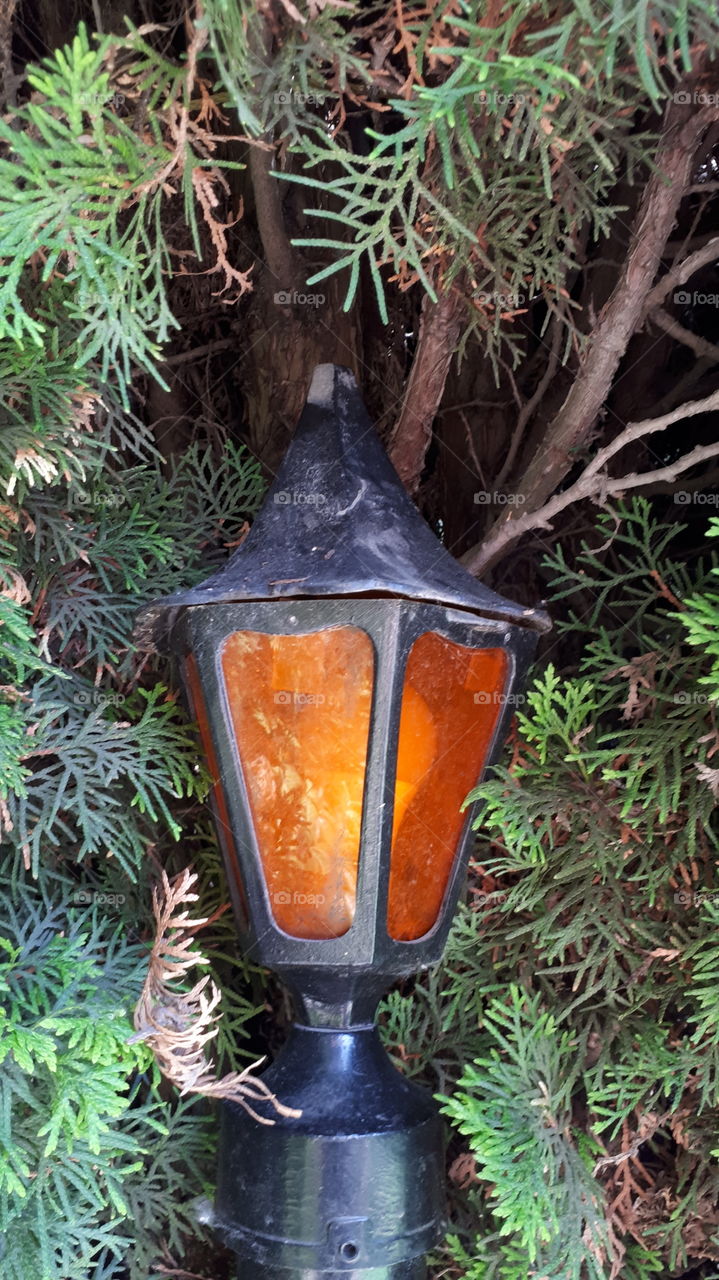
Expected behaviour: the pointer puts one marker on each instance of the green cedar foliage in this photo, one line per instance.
(573, 1029)
(491, 139)
(99, 771)
(85, 185)
(573, 1026)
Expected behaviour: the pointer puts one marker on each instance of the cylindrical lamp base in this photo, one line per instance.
(352, 1187)
(413, 1269)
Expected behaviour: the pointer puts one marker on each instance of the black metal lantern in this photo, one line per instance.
(351, 683)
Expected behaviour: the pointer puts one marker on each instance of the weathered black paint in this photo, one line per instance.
(354, 1183)
(362, 1167)
(338, 522)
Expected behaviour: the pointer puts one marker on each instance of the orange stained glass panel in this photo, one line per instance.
(300, 707)
(192, 680)
(450, 704)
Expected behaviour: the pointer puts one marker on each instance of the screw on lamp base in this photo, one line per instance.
(352, 1188)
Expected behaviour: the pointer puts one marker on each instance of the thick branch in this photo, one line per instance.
(698, 345)
(280, 257)
(199, 353)
(678, 275)
(617, 323)
(438, 336)
(8, 81)
(595, 484)
(682, 272)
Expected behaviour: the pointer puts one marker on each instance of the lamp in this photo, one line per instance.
(351, 683)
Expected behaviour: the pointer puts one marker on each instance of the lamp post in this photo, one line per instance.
(351, 683)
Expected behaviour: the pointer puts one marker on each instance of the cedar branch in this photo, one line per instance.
(438, 336)
(595, 484)
(618, 321)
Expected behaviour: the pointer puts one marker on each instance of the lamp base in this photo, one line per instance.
(414, 1269)
(351, 1187)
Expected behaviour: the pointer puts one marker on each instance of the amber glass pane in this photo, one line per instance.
(222, 817)
(301, 707)
(450, 704)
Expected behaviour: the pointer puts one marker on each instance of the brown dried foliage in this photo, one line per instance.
(178, 1023)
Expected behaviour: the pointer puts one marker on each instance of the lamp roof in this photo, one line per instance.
(337, 522)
